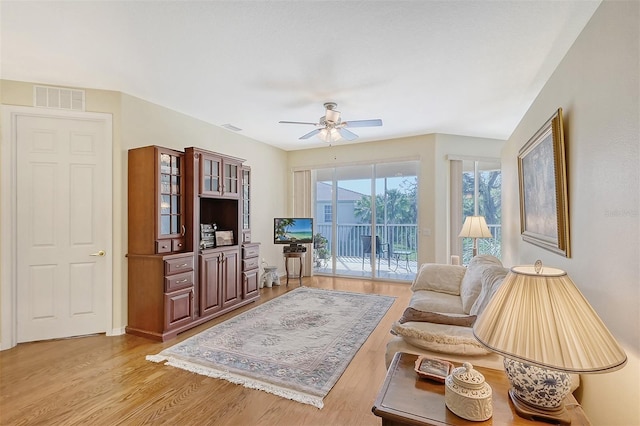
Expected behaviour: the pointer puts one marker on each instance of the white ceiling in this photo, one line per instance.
(459, 67)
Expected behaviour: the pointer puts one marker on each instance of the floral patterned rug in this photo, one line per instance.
(295, 346)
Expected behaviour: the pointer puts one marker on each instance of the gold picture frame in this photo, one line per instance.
(224, 238)
(542, 175)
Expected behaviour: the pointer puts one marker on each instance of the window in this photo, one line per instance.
(479, 194)
(328, 213)
(481, 187)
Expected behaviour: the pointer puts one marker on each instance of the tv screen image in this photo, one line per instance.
(292, 230)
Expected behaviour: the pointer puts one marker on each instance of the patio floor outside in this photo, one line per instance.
(399, 267)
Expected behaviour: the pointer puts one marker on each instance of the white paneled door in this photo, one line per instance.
(63, 227)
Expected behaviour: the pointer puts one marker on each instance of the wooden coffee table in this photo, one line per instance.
(406, 399)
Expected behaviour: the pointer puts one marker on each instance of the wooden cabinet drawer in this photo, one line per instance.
(177, 244)
(178, 281)
(248, 264)
(177, 265)
(168, 246)
(252, 250)
(163, 246)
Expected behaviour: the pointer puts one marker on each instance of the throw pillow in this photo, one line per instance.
(411, 314)
(491, 279)
(471, 282)
(439, 277)
(432, 301)
(442, 338)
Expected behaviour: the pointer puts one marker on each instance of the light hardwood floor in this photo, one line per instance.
(99, 380)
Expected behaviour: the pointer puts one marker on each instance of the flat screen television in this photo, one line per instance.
(292, 230)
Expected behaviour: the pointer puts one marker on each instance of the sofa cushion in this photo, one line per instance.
(471, 282)
(440, 338)
(433, 301)
(491, 279)
(398, 344)
(411, 314)
(439, 277)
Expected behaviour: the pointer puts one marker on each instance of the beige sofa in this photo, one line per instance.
(446, 300)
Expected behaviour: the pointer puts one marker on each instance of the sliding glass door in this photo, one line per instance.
(366, 220)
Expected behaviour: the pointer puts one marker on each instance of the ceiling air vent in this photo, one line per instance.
(58, 97)
(231, 127)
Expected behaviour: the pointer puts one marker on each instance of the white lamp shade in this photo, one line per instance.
(543, 319)
(475, 227)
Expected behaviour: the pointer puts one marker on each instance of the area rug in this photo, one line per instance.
(295, 346)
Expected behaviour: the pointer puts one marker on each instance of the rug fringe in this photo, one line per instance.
(155, 358)
(240, 380)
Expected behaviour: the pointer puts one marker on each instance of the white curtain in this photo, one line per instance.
(455, 207)
(302, 202)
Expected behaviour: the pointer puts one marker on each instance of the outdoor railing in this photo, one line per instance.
(349, 244)
(398, 236)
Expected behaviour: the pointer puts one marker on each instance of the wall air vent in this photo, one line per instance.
(58, 97)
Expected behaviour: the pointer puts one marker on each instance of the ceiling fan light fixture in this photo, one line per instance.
(329, 135)
(330, 127)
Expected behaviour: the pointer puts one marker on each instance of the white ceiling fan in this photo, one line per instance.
(331, 128)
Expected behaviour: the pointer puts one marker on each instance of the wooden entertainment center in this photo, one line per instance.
(190, 255)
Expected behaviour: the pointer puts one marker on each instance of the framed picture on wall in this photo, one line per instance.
(544, 210)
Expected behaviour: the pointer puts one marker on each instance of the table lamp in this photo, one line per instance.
(475, 227)
(545, 329)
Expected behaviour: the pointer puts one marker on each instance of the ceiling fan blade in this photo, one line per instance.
(346, 134)
(298, 122)
(311, 133)
(363, 123)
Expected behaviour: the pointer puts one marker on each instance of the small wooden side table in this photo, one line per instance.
(406, 399)
(293, 255)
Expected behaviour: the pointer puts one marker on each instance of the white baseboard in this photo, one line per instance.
(116, 331)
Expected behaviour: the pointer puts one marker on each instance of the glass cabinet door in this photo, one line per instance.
(211, 175)
(170, 195)
(231, 180)
(246, 202)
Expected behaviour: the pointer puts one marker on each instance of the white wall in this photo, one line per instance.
(597, 85)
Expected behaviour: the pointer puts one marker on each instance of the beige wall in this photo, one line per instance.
(139, 123)
(597, 86)
(433, 181)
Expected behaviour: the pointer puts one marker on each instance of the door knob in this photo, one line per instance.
(100, 253)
